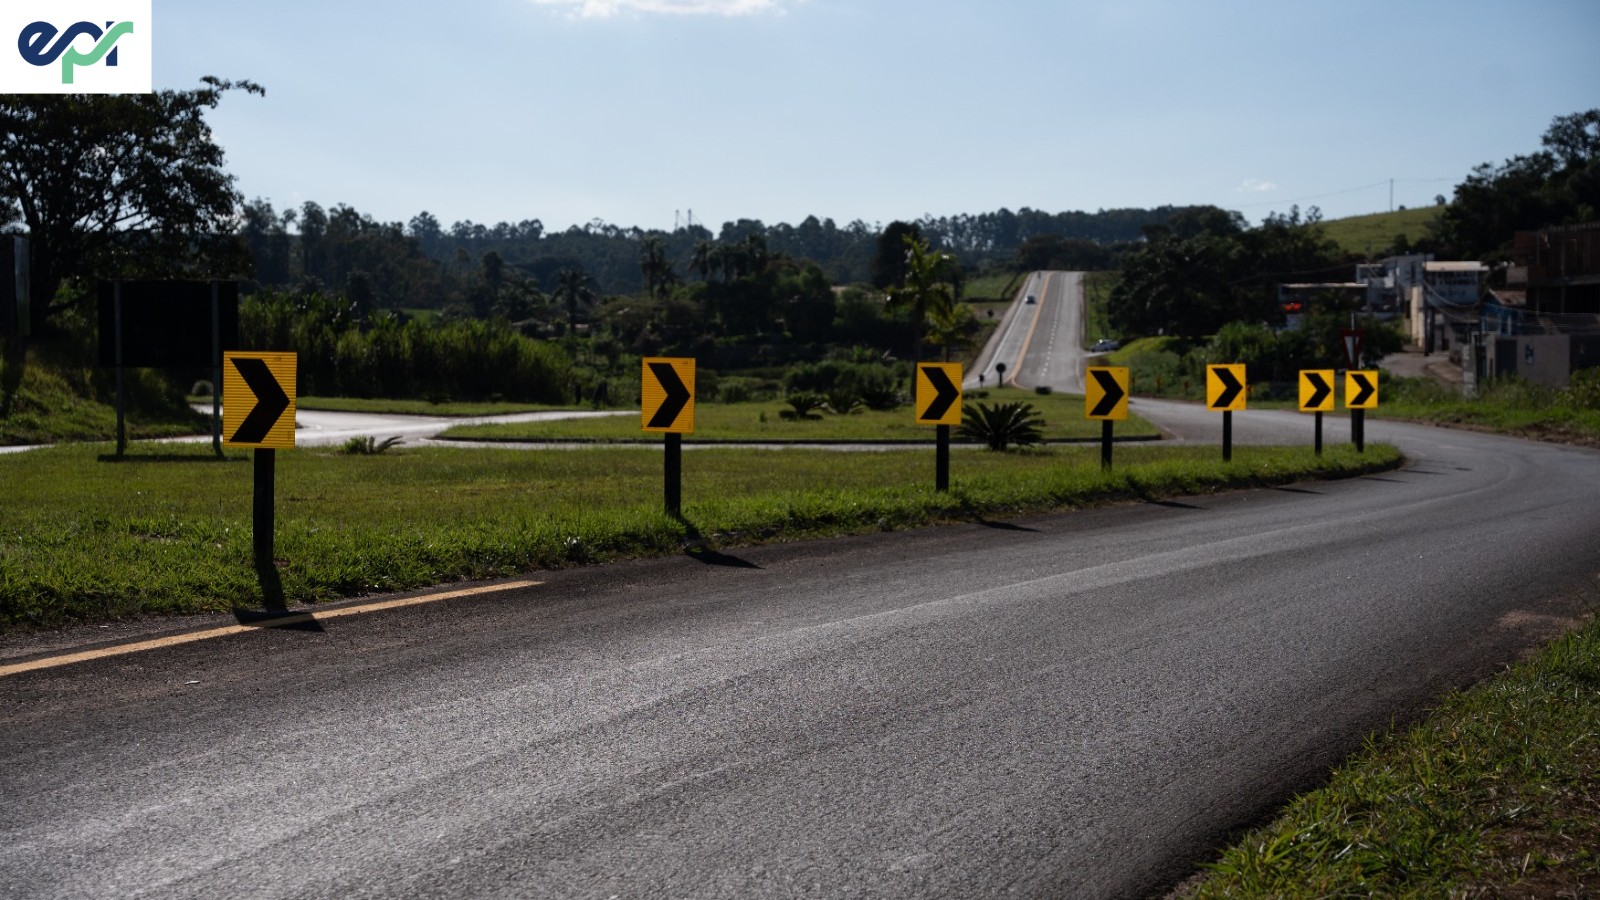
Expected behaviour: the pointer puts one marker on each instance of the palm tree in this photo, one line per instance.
(572, 288)
(950, 327)
(656, 268)
(704, 259)
(928, 288)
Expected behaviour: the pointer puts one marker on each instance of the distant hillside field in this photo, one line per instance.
(1375, 233)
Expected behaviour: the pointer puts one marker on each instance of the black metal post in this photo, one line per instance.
(1227, 435)
(263, 513)
(941, 459)
(1358, 429)
(122, 396)
(1105, 444)
(216, 370)
(673, 471)
(1319, 432)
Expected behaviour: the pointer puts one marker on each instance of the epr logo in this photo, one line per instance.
(36, 49)
(93, 58)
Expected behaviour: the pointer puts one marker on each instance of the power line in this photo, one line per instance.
(1339, 193)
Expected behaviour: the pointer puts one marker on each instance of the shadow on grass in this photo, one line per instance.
(699, 551)
(275, 608)
(169, 458)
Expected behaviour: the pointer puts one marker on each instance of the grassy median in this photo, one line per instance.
(1497, 794)
(764, 422)
(167, 530)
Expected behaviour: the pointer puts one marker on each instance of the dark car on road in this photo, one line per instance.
(1104, 346)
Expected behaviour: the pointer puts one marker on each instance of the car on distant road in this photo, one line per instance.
(1104, 346)
(1030, 299)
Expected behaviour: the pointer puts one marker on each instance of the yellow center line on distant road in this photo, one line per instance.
(66, 659)
(1038, 313)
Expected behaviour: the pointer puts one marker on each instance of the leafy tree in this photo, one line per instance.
(108, 184)
(951, 327)
(927, 287)
(1554, 186)
(572, 290)
(656, 268)
(889, 263)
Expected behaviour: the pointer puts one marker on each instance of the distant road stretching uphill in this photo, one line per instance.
(1040, 343)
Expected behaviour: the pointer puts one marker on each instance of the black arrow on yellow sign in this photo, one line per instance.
(945, 393)
(1364, 389)
(271, 401)
(677, 395)
(1320, 389)
(1113, 393)
(1230, 388)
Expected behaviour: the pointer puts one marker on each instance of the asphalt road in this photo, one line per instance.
(1039, 343)
(1080, 704)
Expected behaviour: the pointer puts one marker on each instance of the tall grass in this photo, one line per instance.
(1508, 405)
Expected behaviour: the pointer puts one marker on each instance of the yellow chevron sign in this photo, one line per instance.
(667, 395)
(258, 399)
(938, 394)
(1225, 391)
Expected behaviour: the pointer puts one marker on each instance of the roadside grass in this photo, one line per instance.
(1507, 406)
(762, 422)
(168, 530)
(417, 407)
(1097, 287)
(53, 406)
(1497, 794)
(991, 287)
(1376, 233)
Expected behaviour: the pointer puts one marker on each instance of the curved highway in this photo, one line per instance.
(1081, 704)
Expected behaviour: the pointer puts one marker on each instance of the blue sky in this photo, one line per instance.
(629, 110)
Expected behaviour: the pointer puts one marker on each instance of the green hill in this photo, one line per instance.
(1375, 233)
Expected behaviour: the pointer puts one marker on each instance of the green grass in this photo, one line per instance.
(1506, 406)
(760, 421)
(1097, 288)
(1373, 234)
(84, 540)
(52, 407)
(417, 407)
(1497, 794)
(991, 287)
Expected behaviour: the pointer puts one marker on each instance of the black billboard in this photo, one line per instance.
(167, 324)
(13, 285)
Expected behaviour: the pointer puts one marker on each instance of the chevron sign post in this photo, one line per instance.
(258, 393)
(939, 403)
(1225, 392)
(667, 405)
(1105, 398)
(1316, 396)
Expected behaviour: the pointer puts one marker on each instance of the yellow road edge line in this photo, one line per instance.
(300, 618)
(1038, 312)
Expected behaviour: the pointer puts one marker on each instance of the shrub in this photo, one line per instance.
(367, 445)
(804, 405)
(1000, 425)
(1584, 392)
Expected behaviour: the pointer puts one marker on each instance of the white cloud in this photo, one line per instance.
(1256, 186)
(605, 9)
